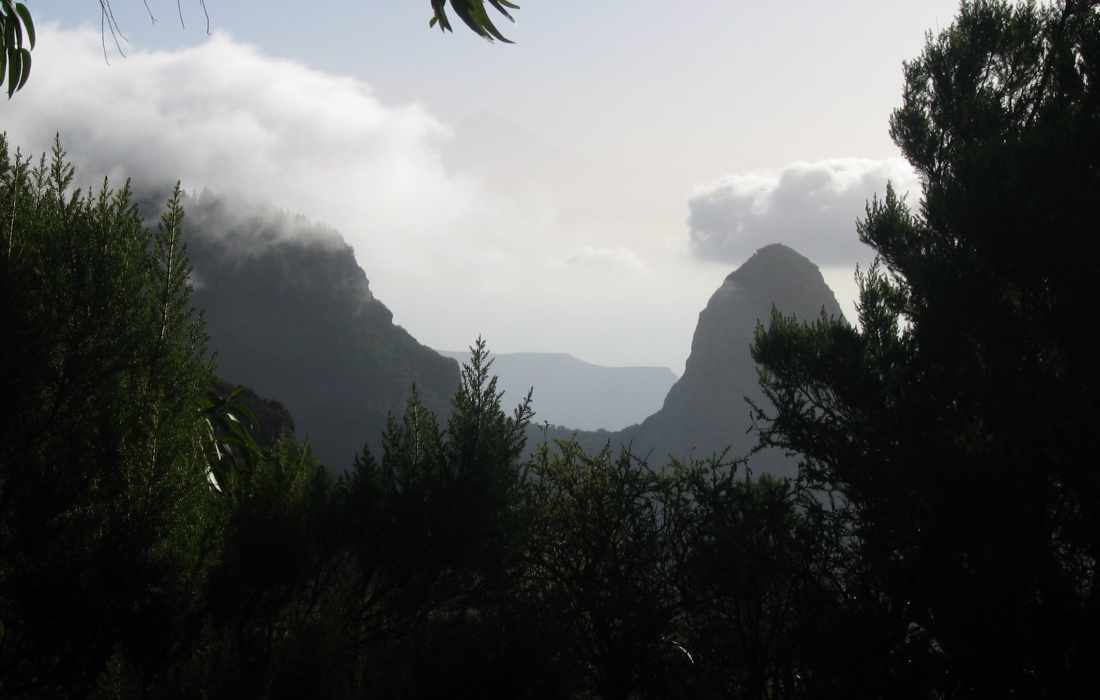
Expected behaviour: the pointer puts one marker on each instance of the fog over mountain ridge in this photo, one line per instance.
(365, 161)
(290, 314)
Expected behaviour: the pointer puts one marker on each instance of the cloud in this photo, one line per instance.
(459, 235)
(263, 132)
(225, 116)
(607, 258)
(453, 251)
(811, 206)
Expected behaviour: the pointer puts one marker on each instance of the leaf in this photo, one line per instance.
(213, 480)
(9, 32)
(500, 6)
(14, 71)
(17, 28)
(26, 72)
(473, 15)
(439, 8)
(25, 14)
(472, 12)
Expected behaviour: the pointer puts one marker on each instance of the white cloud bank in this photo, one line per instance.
(224, 116)
(812, 207)
(451, 254)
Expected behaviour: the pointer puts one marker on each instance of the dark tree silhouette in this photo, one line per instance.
(958, 423)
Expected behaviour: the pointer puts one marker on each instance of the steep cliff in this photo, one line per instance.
(291, 314)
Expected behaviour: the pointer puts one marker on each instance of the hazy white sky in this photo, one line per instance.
(584, 190)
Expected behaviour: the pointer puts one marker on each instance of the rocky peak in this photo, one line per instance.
(705, 411)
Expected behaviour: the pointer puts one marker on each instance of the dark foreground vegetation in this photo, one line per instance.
(940, 540)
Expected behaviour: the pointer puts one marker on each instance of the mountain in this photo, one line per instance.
(291, 315)
(705, 411)
(569, 391)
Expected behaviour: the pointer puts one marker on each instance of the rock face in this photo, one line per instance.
(291, 315)
(705, 411)
(569, 391)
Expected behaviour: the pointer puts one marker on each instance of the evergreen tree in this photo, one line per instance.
(103, 494)
(957, 423)
(273, 628)
(436, 527)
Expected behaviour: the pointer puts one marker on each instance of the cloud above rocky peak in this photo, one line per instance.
(810, 206)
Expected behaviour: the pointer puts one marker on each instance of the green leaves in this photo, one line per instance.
(15, 59)
(473, 14)
(229, 446)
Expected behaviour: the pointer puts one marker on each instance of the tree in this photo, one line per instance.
(436, 527)
(957, 424)
(272, 625)
(756, 579)
(598, 577)
(104, 500)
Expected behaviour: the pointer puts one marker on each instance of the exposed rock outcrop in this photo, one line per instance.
(291, 315)
(705, 411)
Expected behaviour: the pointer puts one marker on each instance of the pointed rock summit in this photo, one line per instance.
(720, 368)
(705, 410)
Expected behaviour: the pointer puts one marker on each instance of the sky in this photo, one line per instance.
(584, 190)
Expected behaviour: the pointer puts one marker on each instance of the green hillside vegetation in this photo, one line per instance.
(938, 538)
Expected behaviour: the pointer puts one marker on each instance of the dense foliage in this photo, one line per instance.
(940, 539)
(957, 424)
(152, 547)
(103, 525)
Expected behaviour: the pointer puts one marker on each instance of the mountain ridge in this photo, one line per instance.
(572, 391)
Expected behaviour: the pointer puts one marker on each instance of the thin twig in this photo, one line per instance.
(102, 34)
(107, 21)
